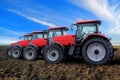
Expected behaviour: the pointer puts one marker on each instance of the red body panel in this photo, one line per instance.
(39, 42)
(24, 43)
(13, 44)
(65, 39)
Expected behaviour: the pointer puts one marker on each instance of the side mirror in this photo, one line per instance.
(72, 27)
(21, 37)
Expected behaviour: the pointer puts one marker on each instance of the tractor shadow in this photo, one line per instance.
(76, 60)
(79, 60)
(113, 62)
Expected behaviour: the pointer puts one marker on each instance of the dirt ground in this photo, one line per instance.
(75, 69)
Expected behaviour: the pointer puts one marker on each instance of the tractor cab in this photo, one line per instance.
(38, 38)
(57, 31)
(86, 27)
(33, 36)
(39, 34)
(26, 37)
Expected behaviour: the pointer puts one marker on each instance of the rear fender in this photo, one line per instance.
(94, 35)
(17, 45)
(59, 44)
(33, 45)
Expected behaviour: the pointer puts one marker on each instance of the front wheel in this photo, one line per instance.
(95, 51)
(53, 54)
(16, 52)
(29, 53)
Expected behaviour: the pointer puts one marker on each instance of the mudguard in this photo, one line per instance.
(33, 45)
(94, 35)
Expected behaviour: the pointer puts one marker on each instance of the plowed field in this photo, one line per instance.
(75, 69)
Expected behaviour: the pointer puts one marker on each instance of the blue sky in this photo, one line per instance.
(18, 17)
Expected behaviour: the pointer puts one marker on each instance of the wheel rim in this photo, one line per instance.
(53, 54)
(29, 54)
(16, 53)
(96, 51)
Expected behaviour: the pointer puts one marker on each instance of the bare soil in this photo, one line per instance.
(71, 69)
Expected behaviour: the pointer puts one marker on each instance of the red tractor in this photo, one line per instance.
(26, 39)
(37, 46)
(94, 47)
(17, 48)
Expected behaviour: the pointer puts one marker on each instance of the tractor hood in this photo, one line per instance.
(65, 40)
(39, 42)
(13, 44)
(23, 43)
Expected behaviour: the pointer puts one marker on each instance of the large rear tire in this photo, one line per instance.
(111, 50)
(95, 51)
(16, 52)
(53, 54)
(30, 53)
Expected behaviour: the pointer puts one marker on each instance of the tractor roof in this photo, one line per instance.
(58, 27)
(35, 32)
(27, 34)
(88, 21)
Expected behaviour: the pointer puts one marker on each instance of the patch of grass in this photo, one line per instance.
(116, 46)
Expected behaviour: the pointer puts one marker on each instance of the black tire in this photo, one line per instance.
(95, 51)
(53, 54)
(30, 53)
(9, 52)
(111, 50)
(16, 52)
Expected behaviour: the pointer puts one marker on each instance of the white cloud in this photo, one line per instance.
(8, 31)
(7, 40)
(8, 36)
(103, 10)
(98, 7)
(32, 18)
(41, 22)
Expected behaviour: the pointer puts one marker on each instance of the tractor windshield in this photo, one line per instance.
(45, 35)
(57, 32)
(65, 32)
(37, 35)
(85, 29)
(27, 37)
